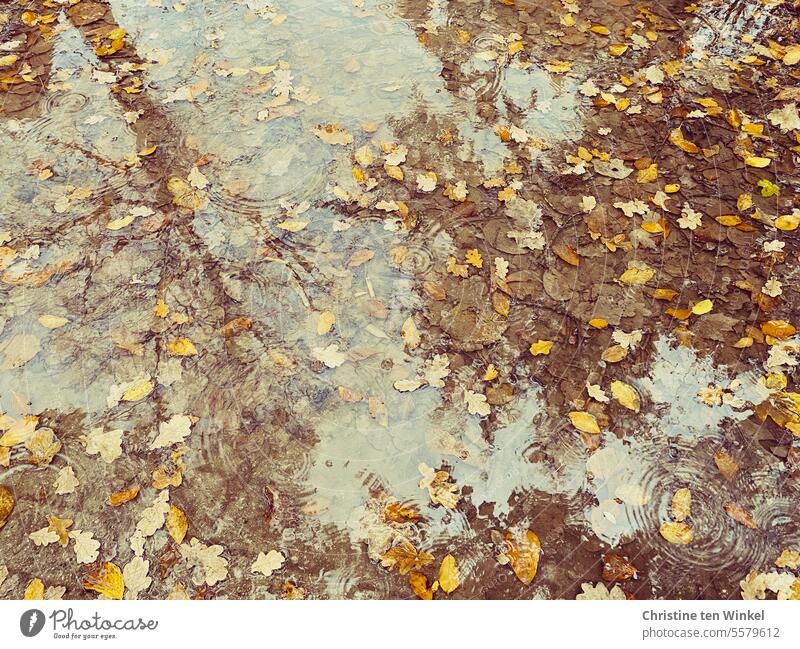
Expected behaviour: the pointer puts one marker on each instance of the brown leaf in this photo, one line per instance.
(617, 568)
(235, 327)
(726, 464)
(405, 558)
(61, 527)
(6, 505)
(740, 515)
(398, 512)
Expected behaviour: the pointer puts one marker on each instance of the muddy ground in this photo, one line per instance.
(468, 299)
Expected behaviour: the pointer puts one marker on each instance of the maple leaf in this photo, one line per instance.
(439, 489)
(405, 558)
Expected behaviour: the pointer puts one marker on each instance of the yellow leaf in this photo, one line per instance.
(681, 504)
(792, 55)
(393, 171)
(702, 307)
(6, 504)
(161, 309)
(326, 320)
(787, 222)
(419, 584)
(626, 395)
(728, 220)
(744, 202)
(119, 498)
(181, 347)
(501, 303)
(672, 188)
(648, 174)
(677, 533)
(292, 225)
(449, 574)
(614, 354)
(541, 348)
(557, 66)
(459, 270)
(491, 373)
(637, 275)
(405, 558)
(677, 138)
(778, 329)
(106, 580)
(743, 343)
(584, 422)
(474, 258)
(118, 224)
(618, 49)
(756, 161)
(177, 524)
(598, 323)
(138, 390)
(35, 590)
(523, 555)
(52, 321)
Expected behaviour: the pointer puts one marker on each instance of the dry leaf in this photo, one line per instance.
(626, 395)
(740, 515)
(268, 563)
(681, 504)
(405, 558)
(584, 422)
(121, 497)
(677, 533)
(177, 524)
(523, 552)
(449, 574)
(107, 580)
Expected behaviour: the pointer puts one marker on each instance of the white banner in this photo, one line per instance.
(399, 623)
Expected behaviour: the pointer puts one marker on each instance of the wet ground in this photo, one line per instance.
(469, 299)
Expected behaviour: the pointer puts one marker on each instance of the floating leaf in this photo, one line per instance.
(584, 422)
(677, 533)
(626, 395)
(449, 574)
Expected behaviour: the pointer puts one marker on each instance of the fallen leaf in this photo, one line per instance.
(626, 395)
(584, 422)
(677, 533)
(449, 574)
(106, 580)
(268, 563)
(681, 504)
